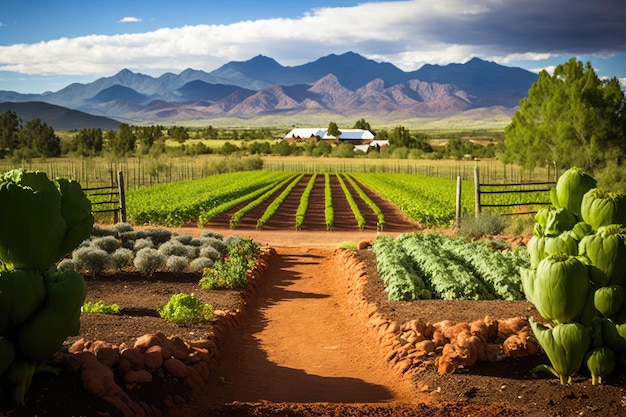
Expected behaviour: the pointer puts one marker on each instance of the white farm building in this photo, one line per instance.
(358, 137)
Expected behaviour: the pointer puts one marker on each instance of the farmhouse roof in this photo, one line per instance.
(305, 132)
(347, 134)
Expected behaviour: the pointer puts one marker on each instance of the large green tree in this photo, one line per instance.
(572, 117)
(39, 137)
(333, 129)
(10, 126)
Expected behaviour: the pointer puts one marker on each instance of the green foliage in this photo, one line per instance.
(333, 129)
(486, 223)
(231, 271)
(40, 220)
(329, 211)
(148, 261)
(429, 265)
(304, 202)
(352, 203)
(276, 203)
(100, 307)
(186, 309)
(571, 117)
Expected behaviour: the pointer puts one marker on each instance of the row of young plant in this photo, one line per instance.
(428, 265)
(251, 205)
(202, 200)
(177, 203)
(304, 202)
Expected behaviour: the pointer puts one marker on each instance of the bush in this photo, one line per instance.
(176, 263)
(122, 257)
(231, 272)
(143, 243)
(184, 239)
(218, 244)
(200, 263)
(174, 247)
(90, 259)
(209, 252)
(107, 243)
(487, 223)
(186, 309)
(148, 261)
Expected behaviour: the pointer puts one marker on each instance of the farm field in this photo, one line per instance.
(306, 338)
(303, 347)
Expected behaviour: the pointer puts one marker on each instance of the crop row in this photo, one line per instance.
(175, 204)
(428, 200)
(428, 265)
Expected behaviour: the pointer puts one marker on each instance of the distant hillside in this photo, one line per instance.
(343, 85)
(59, 118)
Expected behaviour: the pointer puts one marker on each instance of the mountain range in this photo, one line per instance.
(346, 84)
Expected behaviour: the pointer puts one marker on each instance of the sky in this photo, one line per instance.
(46, 45)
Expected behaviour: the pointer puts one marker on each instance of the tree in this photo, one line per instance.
(571, 117)
(10, 126)
(122, 143)
(400, 137)
(333, 129)
(362, 124)
(87, 142)
(40, 137)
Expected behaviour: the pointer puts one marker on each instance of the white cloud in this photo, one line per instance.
(407, 33)
(129, 19)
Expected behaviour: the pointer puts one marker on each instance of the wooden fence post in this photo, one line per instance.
(457, 221)
(477, 190)
(122, 195)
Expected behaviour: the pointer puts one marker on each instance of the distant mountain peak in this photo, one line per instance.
(347, 83)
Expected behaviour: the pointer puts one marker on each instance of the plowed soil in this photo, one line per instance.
(300, 349)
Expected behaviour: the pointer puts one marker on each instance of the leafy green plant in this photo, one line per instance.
(231, 271)
(329, 211)
(186, 309)
(304, 202)
(100, 307)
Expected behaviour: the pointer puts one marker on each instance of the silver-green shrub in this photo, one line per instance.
(148, 261)
(122, 257)
(107, 243)
(143, 243)
(184, 238)
(90, 259)
(200, 263)
(209, 252)
(176, 263)
(218, 244)
(173, 247)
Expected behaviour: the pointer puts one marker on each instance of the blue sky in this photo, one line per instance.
(46, 45)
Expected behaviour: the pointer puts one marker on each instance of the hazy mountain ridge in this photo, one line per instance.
(343, 84)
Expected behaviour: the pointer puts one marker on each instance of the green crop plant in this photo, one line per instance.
(230, 272)
(186, 309)
(576, 278)
(277, 202)
(304, 202)
(329, 211)
(41, 222)
(100, 307)
(352, 203)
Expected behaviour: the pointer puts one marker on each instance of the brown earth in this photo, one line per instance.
(301, 346)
